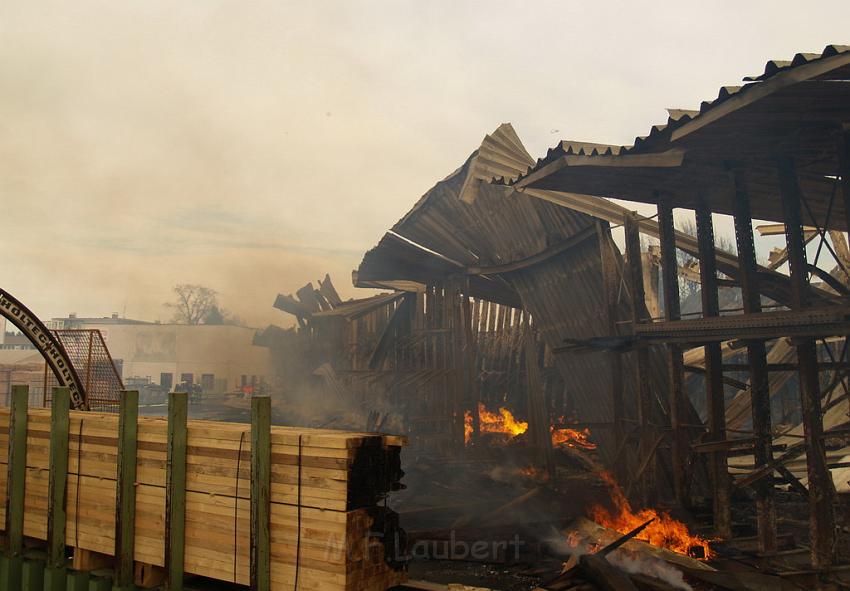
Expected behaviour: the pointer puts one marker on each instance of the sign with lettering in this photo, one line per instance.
(47, 344)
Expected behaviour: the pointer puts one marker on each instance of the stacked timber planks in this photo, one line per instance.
(328, 529)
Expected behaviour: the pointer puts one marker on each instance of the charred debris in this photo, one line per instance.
(560, 392)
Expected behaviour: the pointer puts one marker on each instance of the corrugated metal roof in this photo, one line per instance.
(833, 63)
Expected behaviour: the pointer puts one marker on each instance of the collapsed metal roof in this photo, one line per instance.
(526, 251)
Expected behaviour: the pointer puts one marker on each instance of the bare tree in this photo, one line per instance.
(193, 303)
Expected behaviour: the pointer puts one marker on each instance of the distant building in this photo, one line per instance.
(219, 358)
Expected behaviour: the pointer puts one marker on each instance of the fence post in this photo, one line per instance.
(125, 500)
(260, 493)
(57, 490)
(175, 490)
(15, 487)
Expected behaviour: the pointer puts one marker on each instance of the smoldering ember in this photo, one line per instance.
(569, 365)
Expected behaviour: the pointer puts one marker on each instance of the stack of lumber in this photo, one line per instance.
(328, 528)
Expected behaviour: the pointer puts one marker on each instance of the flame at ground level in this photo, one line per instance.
(572, 438)
(504, 422)
(664, 532)
(490, 422)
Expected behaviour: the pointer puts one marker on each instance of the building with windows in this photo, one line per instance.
(218, 358)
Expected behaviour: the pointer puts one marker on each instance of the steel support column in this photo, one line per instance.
(675, 364)
(644, 402)
(821, 488)
(757, 359)
(714, 372)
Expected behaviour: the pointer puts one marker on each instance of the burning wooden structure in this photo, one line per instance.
(540, 237)
(421, 353)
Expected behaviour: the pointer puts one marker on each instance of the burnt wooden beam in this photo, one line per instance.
(718, 460)
(675, 364)
(634, 274)
(822, 366)
(811, 322)
(757, 358)
(821, 488)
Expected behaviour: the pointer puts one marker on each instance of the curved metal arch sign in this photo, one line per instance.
(47, 344)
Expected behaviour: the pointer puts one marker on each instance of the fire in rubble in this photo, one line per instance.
(506, 424)
(502, 422)
(565, 437)
(664, 532)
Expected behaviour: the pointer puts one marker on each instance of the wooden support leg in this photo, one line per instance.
(58, 480)
(644, 402)
(610, 287)
(821, 487)
(714, 372)
(260, 495)
(125, 511)
(675, 364)
(757, 359)
(175, 489)
(15, 490)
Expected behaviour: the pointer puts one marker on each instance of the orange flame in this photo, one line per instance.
(467, 427)
(490, 422)
(664, 532)
(571, 438)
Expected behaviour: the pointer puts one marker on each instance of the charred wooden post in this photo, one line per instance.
(757, 358)
(538, 418)
(714, 372)
(644, 402)
(821, 488)
(675, 364)
(610, 284)
(470, 357)
(458, 319)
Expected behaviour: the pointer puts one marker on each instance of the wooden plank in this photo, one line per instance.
(15, 490)
(331, 547)
(260, 495)
(125, 500)
(175, 490)
(58, 482)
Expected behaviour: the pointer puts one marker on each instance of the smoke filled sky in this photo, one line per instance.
(255, 146)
